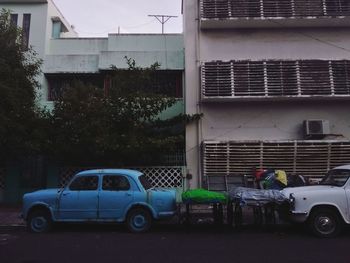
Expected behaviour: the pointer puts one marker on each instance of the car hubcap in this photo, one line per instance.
(38, 223)
(139, 221)
(325, 224)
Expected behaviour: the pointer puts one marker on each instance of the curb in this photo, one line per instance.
(12, 227)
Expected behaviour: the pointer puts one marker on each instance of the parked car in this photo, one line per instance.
(110, 195)
(324, 207)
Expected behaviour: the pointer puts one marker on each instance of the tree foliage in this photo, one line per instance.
(90, 126)
(116, 127)
(19, 116)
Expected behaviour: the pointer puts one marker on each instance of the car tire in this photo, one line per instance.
(325, 222)
(139, 220)
(39, 221)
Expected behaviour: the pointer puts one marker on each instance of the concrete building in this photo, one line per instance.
(66, 57)
(271, 79)
(90, 59)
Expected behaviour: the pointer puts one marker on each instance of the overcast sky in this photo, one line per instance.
(100, 17)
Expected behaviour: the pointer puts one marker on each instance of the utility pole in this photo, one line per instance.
(162, 19)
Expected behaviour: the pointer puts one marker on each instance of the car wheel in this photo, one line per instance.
(325, 222)
(39, 221)
(139, 220)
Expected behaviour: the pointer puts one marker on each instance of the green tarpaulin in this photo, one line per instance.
(203, 196)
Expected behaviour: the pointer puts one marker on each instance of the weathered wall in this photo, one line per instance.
(252, 120)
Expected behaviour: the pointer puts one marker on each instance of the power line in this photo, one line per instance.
(162, 19)
(312, 37)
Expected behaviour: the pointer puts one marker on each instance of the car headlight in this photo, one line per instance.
(292, 201)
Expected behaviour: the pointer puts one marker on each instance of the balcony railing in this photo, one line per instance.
(308, 158)
(275, 79)
(239, 11)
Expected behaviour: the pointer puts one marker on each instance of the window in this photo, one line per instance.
(299, 78)
(249, 78)
(243, 8)
(84, 183)
(145, 183)
(162, 82)
(338, 7)
(336, 177)
(278, 8)
(33, 172)
(60, 82)
(115, 183)
(14, 19)
(315, 77)
(307, 158)
(26, 29)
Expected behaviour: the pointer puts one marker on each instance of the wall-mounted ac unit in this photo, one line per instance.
(316, 127)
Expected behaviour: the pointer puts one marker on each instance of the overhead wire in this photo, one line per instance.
(116, 28)
(312, 37)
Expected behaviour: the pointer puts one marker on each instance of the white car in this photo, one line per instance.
(324, 207)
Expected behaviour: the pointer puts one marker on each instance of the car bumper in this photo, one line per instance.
(298, 216)
(166, 214)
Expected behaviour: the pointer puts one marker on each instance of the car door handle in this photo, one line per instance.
(64, 194)
(128, 194)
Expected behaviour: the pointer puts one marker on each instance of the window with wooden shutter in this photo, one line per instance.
(276, 78)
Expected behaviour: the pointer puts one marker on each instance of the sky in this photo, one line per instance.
(97, 18)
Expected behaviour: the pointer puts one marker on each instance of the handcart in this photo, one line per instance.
(263, 202)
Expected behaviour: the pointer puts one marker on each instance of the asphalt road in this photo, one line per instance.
(172, 243)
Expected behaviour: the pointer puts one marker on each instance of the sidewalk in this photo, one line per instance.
(10, 216)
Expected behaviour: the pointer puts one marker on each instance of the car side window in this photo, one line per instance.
(84, 183)
(115, 183)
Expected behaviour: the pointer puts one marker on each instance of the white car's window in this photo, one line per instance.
(336, 177)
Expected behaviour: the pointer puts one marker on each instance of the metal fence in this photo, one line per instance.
(163, 176)
(308, 158)
(275, 78)
(226, 9)
(2, 179)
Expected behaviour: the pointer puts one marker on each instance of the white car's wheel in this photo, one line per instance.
(325, 222)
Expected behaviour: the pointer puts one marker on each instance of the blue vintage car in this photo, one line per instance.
(110, 195)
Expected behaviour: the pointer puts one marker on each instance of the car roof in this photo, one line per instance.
(343, 167)
(128, 172)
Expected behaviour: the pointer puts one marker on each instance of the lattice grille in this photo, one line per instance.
(271, 78)
(309, 158)
(2, 178)
(158, 176)
(226, 9)
(163, 176)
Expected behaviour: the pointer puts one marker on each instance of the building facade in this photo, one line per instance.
(67, 58)
(271, 79)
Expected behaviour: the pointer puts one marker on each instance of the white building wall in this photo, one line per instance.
(254, 120)
(192, 91)
(286, 43)
(40, 31)
(38, 23)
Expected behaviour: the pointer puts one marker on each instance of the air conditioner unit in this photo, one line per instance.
(316, 127)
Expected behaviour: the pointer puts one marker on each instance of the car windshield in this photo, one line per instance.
(145, 183)
(336, 177)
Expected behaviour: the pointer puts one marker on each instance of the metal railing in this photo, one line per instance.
(162, 176)
(273, 78)
(227, 9)
(307, 158)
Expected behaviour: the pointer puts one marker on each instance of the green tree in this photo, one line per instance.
(19, 116)
(117, 127)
